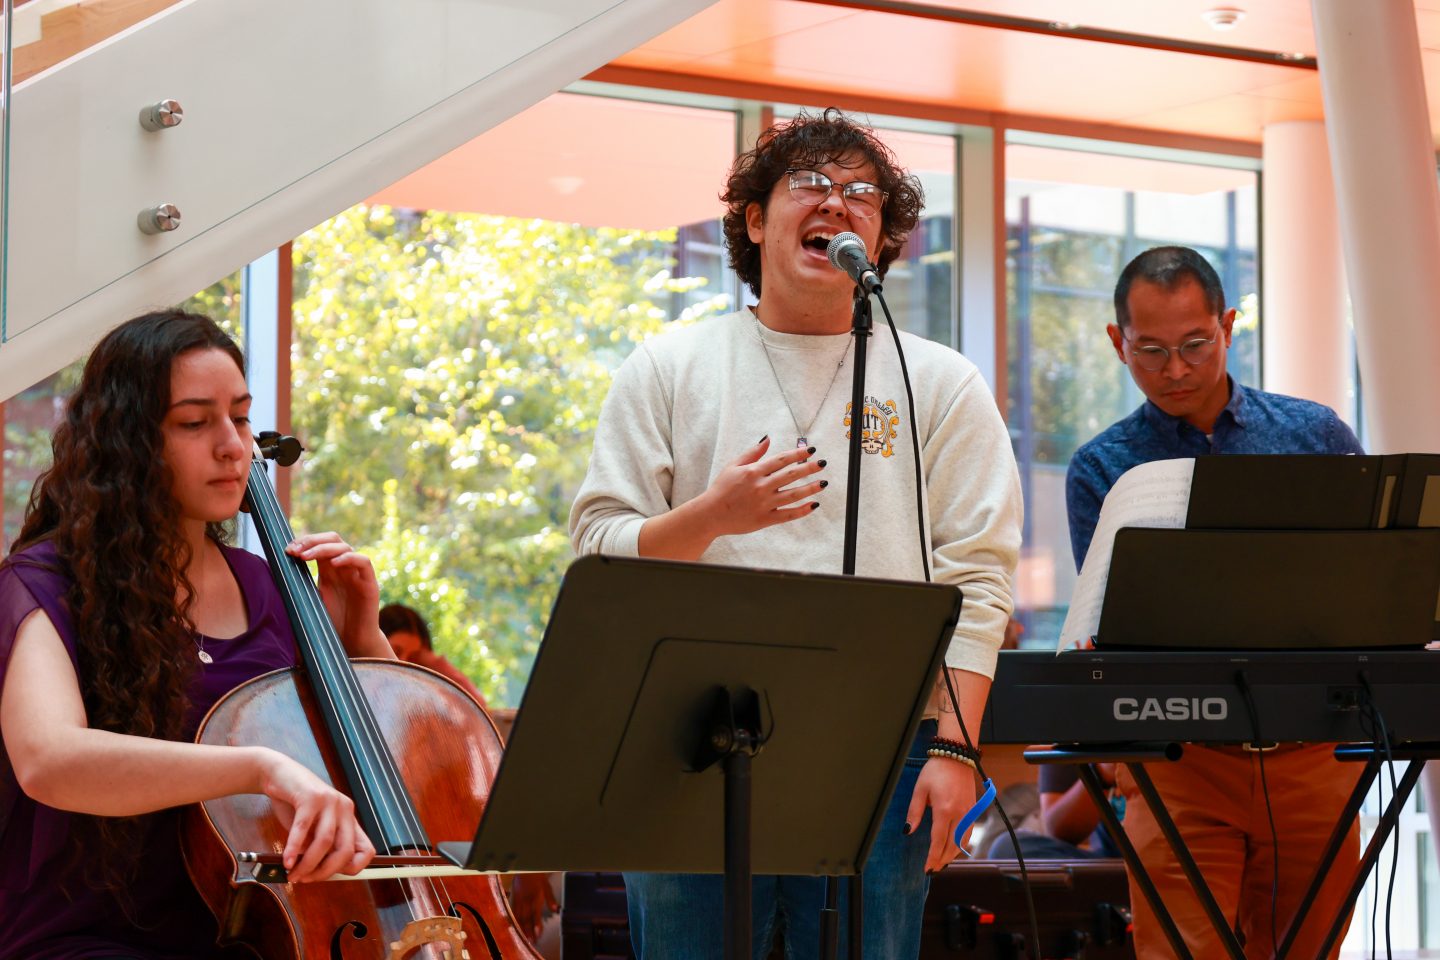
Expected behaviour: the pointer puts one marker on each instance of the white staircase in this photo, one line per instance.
(293, 111)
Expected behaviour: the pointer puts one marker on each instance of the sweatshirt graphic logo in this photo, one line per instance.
(878, 426)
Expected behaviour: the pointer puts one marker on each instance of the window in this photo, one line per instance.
(454, 338)
(1073, 220)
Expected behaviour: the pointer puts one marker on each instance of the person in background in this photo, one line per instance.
(409, 635)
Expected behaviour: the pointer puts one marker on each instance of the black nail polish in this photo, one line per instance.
(908, 830)
(823, 462)
(809, 449)
(814, 504)
(824, 484)
(762, 439)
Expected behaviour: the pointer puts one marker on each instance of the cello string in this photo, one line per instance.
(300, 590)
(320, 641)
(330, 657)
(277, 533)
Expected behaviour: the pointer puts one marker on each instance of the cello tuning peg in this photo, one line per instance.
(282, 449)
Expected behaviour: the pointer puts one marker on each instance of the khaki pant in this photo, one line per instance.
(1215, 797)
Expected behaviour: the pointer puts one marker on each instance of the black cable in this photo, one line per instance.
(1031, 916)
(856, 419)
(1384, 741)
(857, 416)
(1243, 683)
(1371, 727)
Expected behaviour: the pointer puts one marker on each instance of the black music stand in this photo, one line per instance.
(653, 676)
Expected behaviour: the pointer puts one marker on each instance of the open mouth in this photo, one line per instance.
(818, 240)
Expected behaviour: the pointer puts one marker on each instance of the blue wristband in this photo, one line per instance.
(981, 805)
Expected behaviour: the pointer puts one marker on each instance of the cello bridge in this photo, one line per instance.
(443, 931)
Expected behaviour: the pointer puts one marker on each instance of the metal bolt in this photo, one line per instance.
(159, 116)
(159, 219)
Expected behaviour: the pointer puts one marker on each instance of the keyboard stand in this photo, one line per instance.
(1373, 757)
(1136, 755)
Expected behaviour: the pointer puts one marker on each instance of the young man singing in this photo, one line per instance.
(726, 443)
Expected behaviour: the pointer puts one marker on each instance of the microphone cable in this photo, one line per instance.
(1372, 708)
(1371, 726)
(857, 419)
(1243, 682)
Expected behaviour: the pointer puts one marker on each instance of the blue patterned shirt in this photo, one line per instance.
(1252, 422)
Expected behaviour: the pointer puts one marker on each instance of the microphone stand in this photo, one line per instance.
(861, 329)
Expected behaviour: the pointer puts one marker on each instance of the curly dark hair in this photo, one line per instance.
(106, 505)
(813, 141)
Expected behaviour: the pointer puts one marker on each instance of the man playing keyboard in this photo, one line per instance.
(1172, 330)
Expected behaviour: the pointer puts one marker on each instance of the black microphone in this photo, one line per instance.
(847, 253)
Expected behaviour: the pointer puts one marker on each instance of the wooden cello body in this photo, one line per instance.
(417, 755)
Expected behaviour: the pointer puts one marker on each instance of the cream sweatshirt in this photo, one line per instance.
(690, 402)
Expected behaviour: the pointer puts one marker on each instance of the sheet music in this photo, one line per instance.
(1155, 494)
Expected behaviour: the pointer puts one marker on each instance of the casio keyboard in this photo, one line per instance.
(1187, 696)
(1137, 707)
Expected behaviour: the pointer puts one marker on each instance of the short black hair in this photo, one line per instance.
(811, 140)
(1168, 267)
(396, 617)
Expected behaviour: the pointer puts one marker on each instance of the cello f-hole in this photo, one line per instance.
(490, 943)
(357, 930)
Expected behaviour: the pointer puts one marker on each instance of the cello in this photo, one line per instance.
(413, 751)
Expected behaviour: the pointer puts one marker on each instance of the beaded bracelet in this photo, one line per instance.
(955, 746)
(949, 754)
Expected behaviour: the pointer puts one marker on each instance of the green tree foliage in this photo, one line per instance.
(448, 371)
(222, 302)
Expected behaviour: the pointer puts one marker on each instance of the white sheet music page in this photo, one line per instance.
(1155, 494)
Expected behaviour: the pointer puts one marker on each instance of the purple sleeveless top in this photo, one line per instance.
(47, 911)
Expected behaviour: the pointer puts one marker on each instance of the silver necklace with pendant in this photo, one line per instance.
(801, 435)
(200, 637)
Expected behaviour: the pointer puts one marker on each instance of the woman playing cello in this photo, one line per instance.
(123, 617)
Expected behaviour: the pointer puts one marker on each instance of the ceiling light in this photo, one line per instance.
(1223, 18)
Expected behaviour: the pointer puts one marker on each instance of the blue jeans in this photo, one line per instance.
(680, 916)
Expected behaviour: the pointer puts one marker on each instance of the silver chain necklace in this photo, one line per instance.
(199, 638)
(801, 435)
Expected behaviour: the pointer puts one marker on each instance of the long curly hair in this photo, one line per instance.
(106, 505)
(813, 141)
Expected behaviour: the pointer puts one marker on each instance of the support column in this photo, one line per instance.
(1307, 342)
(260, 303)
(979, 238)
(1383, 154)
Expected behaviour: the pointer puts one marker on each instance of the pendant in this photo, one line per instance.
(801, 443)
(205, 657)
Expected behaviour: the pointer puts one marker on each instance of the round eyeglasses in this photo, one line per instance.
(1193, 352)
(811, 187)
